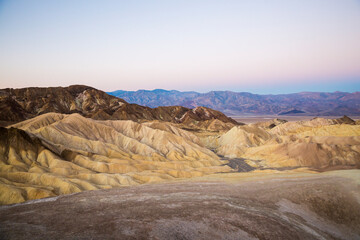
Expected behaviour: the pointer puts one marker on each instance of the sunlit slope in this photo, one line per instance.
(319, 143)
(315, 152)
(60, 154)
(290, 128)
(237, 140)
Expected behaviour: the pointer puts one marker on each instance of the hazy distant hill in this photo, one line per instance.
(235, 103)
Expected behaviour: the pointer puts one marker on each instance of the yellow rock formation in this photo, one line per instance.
(64, 154)
(55, 154)
(318, 143)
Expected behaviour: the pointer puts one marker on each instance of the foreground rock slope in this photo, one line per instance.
(255, 206)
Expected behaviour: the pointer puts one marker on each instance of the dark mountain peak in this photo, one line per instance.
(208, 114)
(291, 112)
(76, 89)
(23, 103)
(20, 104)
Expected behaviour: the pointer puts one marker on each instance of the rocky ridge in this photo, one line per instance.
(20, 104)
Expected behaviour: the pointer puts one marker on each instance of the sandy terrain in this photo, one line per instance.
(286, 205)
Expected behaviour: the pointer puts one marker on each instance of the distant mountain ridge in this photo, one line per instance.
(242, 103)
(24, 103)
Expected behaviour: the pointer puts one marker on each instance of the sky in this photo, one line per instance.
(259, 46)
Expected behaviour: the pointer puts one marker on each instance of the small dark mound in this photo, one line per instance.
(345, 120)
(239, 164)
(295, 111)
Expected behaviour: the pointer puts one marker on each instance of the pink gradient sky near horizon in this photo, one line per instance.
(258, 46)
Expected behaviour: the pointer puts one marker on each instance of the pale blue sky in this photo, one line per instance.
(260, 46)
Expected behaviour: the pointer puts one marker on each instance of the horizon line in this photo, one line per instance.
(184, 91)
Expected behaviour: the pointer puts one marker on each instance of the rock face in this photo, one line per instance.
(236, 103)
(20, 104)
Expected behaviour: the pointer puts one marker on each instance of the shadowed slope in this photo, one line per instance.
(22, 158)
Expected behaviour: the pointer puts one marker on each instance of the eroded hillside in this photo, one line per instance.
(55, 154)
(59, 154)
(318, 143)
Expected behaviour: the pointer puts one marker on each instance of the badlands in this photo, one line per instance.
(55, 154)
(181, 174)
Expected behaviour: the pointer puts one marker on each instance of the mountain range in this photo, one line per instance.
(20, 104)
(244, 103)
